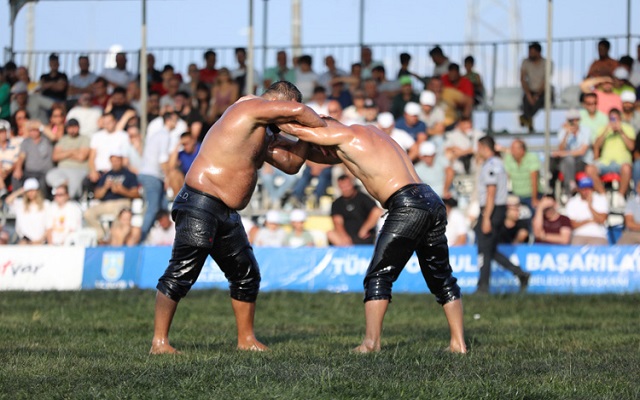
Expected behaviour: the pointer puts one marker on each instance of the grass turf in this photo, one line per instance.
(94, 344)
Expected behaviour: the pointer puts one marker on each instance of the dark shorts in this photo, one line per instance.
(205, 226)
(416, 221)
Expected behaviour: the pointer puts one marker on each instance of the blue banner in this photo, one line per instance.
(554, 269)
(110, 267)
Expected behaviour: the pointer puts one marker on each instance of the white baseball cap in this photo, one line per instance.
(573, 114)
(412, 108)
(298, 216)
(273, 217)
(621, 73)
(428, 98)
(31, 184)
(386, 120)
(427, 149)
(628, 96)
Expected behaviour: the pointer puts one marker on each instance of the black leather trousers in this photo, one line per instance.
(205, 226)
(416, 221)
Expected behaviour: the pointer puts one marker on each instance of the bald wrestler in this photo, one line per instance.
(220, 181)
(416, 221)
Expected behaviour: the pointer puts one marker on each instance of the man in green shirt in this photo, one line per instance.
(523, 168)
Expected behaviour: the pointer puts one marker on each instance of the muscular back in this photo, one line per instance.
(230, 155)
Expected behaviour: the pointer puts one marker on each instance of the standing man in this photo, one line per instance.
(532, 78)
(492, 195)
(416, 221)
(218, 183)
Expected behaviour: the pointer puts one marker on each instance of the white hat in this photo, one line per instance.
(386, 120)
(117, 152)
(573, 114)
(273, 217)
(298, 216)
(621, 73)
(428, 98)
(628, 96)
(427, 149)
(31, 184)
(412, 108)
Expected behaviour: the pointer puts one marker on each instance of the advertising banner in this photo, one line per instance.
(41, 267)
(111, 267)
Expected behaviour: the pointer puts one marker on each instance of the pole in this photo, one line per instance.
(628, 26)
(295, 28)
(250, 78)
(547, 98)
(143, 73)
(361, 33)
(264, 36)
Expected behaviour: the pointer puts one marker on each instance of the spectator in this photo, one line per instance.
(162, 87)
(275, 185)
(355, 112)
(326, 78)
(588, 211)
(114, 189)
(5, 236)
(103, 143)
(298, 237)
(36, 105)
(55, 128)
(354, 214)
(100, 95)
(549, 226)
(591, 117)
(271, 234)
(10, 72)
(122, 231)
(281, 72)
(35, 158)
(312, 170)
(635, 71)
(340, 94)
(574, 141)
(604, 65)
(386, 123)
(475, 79)
(434, 169)
(603, 89)
(432, 115)
(440, 60)
(189, 114)
(5, 97)
(194, 80)
(453, 79)
(64, 217)
(86, 115)
(621, 81)
(612, 153)
(318, 102)
(306, 78)
(223, 93)
(118, 76)
(381, 100)
(54, 84)
(523, 168)
(384, 86)
(181, 159)
(71, 154)
(173, 87)
(19, 126)
(405, 96)
(209, 73)
(457, 225)
(411, 123)
(31, 210)
(405, 60)
(629, 113)
(532, 79)
(366, 62)
(370, 112)
(454, 104)
(517, 224)
(9, 151)
(461, 145)
(163, 231)
(133, 96)
(153, 75)
(239, 75)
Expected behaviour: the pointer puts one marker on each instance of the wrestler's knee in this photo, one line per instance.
(173, 288)
(378, 284)
(449, 291)
(243, 274)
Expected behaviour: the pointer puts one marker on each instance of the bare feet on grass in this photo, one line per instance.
(456, 348)
(251, 344)
(367, 346)
(162, 346)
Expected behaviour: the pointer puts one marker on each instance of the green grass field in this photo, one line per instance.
(94, 344)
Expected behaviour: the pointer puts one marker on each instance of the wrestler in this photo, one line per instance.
(416, 221)
(220, 181)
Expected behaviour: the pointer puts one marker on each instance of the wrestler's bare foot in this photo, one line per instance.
(456, 348)
(367, 346)
(251, 344)
(162, 346)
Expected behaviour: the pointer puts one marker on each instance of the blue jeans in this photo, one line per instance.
(276, 193)
(636, 174)
(154, 198)
(324, 181)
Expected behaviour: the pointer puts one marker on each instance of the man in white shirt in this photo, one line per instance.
(103, 144)
(64, 217)
(86, 114)
(434, 169)
(461, 144)
(588, 211)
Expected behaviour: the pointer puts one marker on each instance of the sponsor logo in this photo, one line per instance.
(13, 269)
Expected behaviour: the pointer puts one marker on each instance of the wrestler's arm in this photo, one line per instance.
(287, 155)
(323, 154)
(276, 112)
(333, 135)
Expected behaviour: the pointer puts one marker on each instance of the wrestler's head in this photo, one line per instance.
(283, 90)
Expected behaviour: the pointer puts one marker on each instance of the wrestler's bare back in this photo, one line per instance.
(230, 155)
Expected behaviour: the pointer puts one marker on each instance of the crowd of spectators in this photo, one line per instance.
(73, 157)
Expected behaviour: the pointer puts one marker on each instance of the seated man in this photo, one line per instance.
(515, 228)
(435, 170)
(312, 170)
(631, 234)
(386, 123)
(461, 144)
(114, 189)
(588, 211)
(181, 159)
(355, 216)
(574, 140)
(432, 115)
(612, 153)
(163, 232)
(271, 234)
(71, 153)
(411, 123)
(549, 226)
